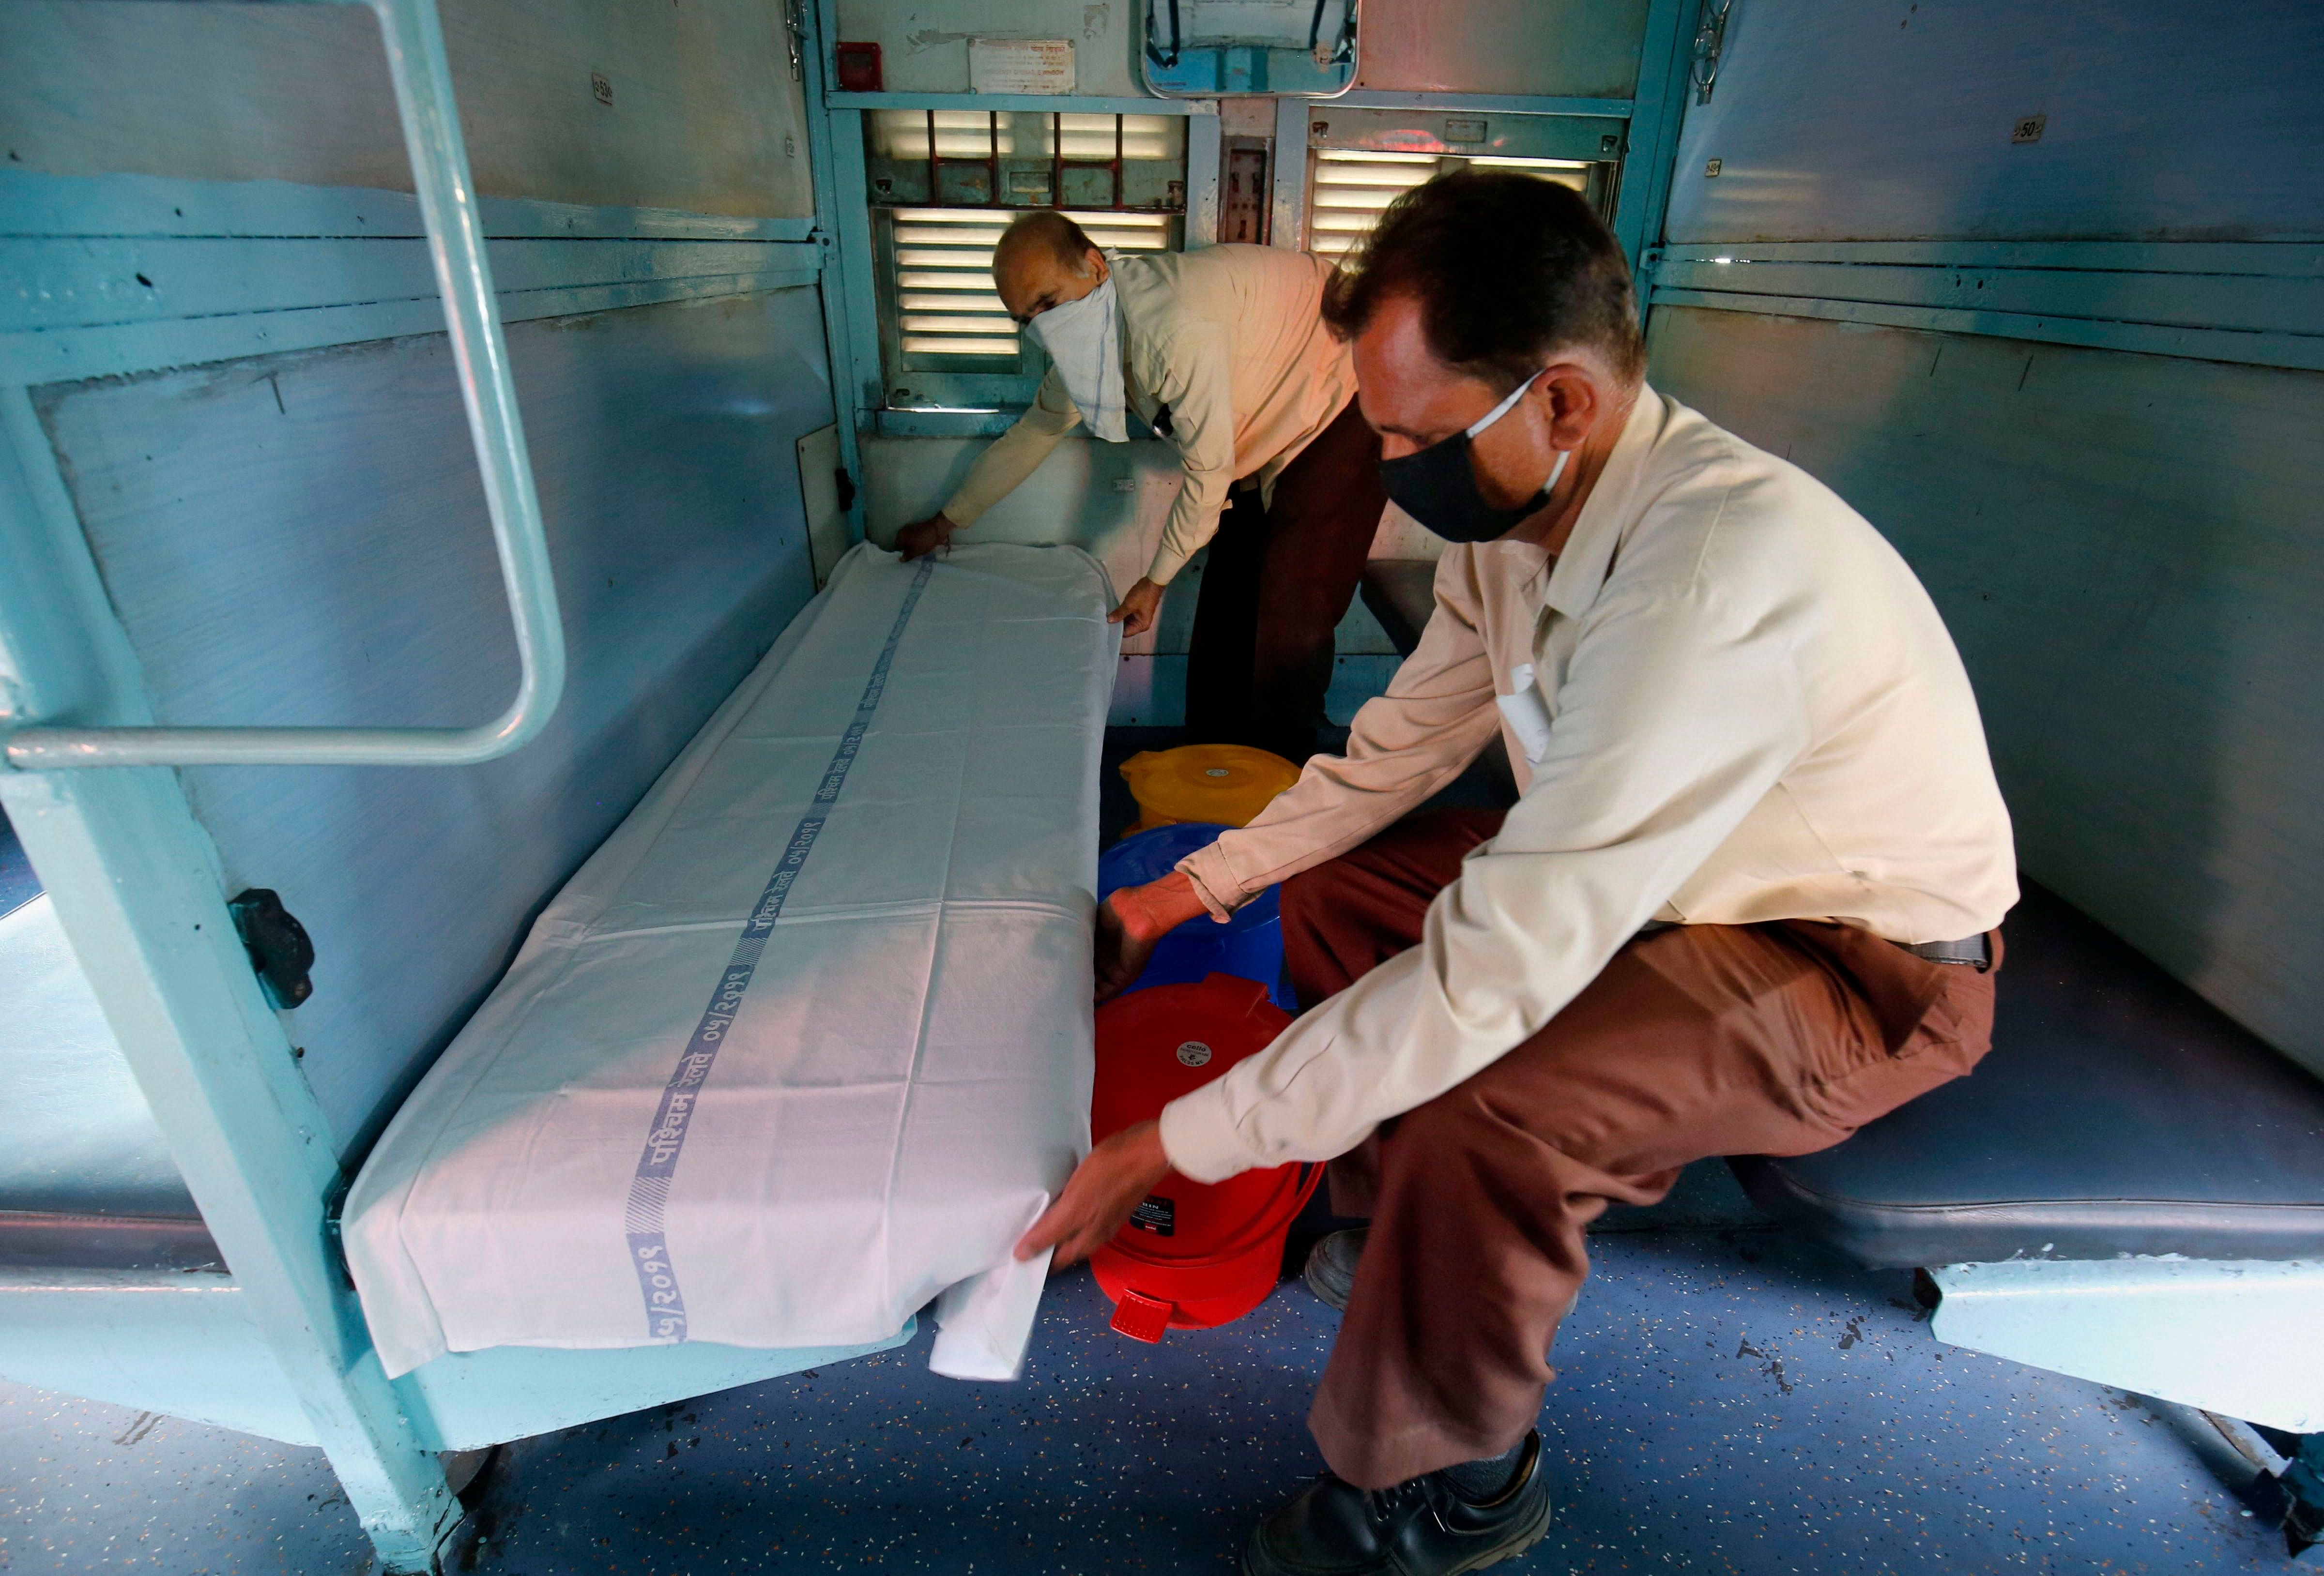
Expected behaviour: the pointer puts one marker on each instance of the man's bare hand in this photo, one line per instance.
(923, 537)
(1130, 922)
(1138, 610)
(1098, 1196)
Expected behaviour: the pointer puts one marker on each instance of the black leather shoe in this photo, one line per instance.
(1332, 1267)
(1420, 1528)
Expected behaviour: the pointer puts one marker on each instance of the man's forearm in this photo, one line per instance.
(1014, 456)
(1154, 910)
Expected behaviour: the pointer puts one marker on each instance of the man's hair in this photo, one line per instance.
(1051, 231)
(1507, 269)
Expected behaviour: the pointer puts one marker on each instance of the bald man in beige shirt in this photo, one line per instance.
(1747, 901)
(1223, 353)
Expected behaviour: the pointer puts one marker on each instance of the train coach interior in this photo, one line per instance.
(366, 365)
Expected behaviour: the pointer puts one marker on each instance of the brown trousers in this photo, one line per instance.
(1274, 586)
(1695, 1041)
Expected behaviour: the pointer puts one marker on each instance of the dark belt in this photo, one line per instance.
(1972, 951)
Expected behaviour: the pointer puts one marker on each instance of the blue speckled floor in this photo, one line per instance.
(1731, 1402)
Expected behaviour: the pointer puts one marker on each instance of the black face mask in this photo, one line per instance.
(1437, 486)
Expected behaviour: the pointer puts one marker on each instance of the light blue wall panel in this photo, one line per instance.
(1840, 120)
(700, 111)
(2130, 554)
(303, 539)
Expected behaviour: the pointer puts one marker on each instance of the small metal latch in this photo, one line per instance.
(280, 948)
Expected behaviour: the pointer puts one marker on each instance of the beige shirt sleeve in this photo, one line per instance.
(1194, 375)
(1682, 708)
(1016, 454)
(1438, 712)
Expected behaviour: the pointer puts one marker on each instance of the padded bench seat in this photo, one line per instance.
(2118, 1113)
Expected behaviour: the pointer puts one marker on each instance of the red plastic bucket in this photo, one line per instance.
(1195, 1255)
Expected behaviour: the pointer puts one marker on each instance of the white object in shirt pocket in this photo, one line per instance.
(1528, 714)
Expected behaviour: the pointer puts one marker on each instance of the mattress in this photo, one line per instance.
(806, 1045)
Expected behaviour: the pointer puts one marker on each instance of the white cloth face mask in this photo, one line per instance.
(1084, 338)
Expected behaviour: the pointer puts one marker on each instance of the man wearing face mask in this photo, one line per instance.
(1223, 352)
(1746, 902)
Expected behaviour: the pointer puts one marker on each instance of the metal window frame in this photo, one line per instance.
(1643, 161)
(853, 304)
(974, 380)
(960, 379)
(1602, 182)
(961, 383)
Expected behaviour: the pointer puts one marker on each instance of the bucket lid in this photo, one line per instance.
(1228, 784)
(1156, 1045)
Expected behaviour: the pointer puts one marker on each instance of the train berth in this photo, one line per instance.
(880, 849)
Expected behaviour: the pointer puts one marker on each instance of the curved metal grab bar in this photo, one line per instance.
(456, 244)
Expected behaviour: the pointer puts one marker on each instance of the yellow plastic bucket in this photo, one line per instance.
(1227, 784)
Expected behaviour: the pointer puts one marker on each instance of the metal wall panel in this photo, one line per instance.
(302, 540)
(2126, 549)
(1836, 120)
(924, 44)
(1580, 49)
(1577, 48)
(699, 110)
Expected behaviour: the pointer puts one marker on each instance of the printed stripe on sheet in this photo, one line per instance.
(649, 1201)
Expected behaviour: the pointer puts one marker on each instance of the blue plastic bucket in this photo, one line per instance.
(1249, 946)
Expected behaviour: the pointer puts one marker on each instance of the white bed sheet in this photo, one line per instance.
(647, 1134)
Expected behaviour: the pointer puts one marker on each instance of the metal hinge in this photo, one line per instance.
(1709, 39)
(795, 34)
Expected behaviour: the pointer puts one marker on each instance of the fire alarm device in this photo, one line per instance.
(858, 67)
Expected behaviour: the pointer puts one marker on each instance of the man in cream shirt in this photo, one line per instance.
(1223, 352)
(1744, 904)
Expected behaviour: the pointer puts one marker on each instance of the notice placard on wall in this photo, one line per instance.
(1020, 65)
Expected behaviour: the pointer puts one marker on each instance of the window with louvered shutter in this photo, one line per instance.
(1348, 190)
(946, 183)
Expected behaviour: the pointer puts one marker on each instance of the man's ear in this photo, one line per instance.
(1574, 398)
(1094, 261)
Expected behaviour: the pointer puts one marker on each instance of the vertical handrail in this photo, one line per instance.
(414, 39)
